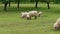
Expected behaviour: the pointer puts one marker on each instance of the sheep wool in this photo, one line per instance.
(57, 24)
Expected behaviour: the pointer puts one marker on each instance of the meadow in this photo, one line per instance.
(12, 23)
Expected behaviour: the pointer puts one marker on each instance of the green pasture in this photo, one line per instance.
(12, 23)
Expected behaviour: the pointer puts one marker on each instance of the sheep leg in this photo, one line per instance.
(27, 18)
(39, 15)
(30, 18)
(35, 17)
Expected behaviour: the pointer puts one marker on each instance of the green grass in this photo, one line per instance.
(11, 23)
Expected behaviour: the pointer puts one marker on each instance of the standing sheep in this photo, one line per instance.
(57, 24)
(23, 14)
(33, 14)
(29, 14)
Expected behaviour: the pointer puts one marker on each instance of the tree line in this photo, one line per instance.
(8, 2)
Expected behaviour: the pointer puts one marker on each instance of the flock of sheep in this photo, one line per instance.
(30, 14)
(36, 14)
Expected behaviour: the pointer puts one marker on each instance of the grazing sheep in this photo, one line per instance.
(29, 14)
(57, 24)
(23, 14)
(33, 14)
(40, 13)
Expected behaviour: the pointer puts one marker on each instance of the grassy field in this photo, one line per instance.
(11, 23)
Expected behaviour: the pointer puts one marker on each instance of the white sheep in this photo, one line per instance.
(33, 14)
(29, 14)
(57, 24)
(23, 14)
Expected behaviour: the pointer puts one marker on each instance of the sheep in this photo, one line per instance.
(29, 14)
(23, 14)
(57, 24)
(39, 14)
(33, 14)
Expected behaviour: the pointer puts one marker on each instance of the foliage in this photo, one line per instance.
(32, 1)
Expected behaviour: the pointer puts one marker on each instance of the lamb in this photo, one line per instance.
(57, 24)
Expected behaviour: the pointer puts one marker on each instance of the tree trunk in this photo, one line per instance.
(5, 5)
(56, 1)
(9, 3)
(36, 4)
(18, 4)
(48, 5)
